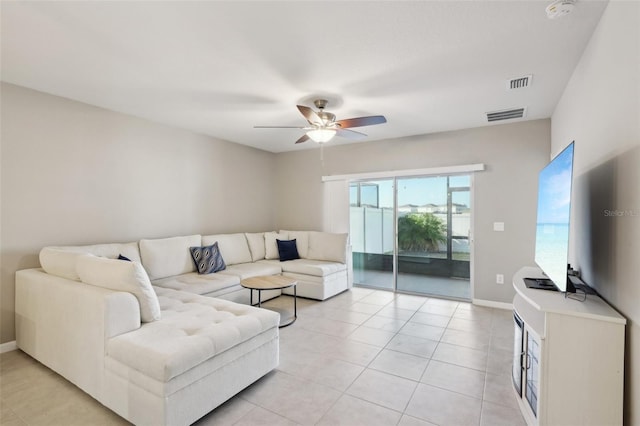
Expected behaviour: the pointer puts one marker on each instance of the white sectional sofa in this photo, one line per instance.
(165, 354)
(323, 270)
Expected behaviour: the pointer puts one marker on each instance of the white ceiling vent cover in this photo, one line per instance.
(506, 114)
(520, 82)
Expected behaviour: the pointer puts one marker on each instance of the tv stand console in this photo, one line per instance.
(568, 361)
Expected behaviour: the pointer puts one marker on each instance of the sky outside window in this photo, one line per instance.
(417, 191)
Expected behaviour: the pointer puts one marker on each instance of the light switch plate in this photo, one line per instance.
(498, 226)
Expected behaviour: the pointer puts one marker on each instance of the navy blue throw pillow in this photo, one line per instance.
(287, 249)
(207, 259)
(121, 257)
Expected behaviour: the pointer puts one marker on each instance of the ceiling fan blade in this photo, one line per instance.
(361, 121)
(311, 116)
(303, 138)
(350, 134)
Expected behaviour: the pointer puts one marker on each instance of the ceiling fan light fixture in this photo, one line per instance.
(321, 135)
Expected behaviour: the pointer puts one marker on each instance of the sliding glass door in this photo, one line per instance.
(412, 234)
(372, 232)
(433, 236)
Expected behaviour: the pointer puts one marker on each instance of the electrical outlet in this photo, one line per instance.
(499, 278)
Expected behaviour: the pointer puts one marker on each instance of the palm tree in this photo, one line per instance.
(420, 232)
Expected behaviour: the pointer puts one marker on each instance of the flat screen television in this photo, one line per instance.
(552, 224)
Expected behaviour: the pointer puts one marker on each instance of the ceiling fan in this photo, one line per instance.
(323, 125)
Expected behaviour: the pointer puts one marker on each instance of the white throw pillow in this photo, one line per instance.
(121, 275)
(256, 245)
(61, 261)
(328, 246)
(271, 246)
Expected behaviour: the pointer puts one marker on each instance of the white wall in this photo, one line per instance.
(77, 174)
(506, 191)
(600, 110)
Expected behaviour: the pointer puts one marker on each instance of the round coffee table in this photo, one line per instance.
(271, 282)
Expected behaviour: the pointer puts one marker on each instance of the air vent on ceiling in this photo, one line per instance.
(520, 82)
(506, 114)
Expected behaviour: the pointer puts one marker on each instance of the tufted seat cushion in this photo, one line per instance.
(193, 329)
(199, 283)
(248, 270)
(316, 268)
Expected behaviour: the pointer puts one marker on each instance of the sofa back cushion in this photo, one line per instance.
(271, 246)
(120, 275)
(166, 257)
(61, 261)
(233, 247)
(256, 245)
(302, 241)
(328, 246)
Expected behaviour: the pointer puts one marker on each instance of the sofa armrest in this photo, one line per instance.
(65, 324)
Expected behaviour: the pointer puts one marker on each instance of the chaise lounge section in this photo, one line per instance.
(171, 371)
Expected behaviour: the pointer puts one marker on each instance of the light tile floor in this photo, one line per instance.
(365, 357)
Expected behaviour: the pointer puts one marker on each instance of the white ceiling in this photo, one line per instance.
(219, 68)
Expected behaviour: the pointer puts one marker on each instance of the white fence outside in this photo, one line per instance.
(372, 230)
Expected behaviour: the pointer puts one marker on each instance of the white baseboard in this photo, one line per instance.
(8, 347)
(492, 304)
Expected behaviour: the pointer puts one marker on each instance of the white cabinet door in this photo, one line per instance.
(518, 352)
(532, 386)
